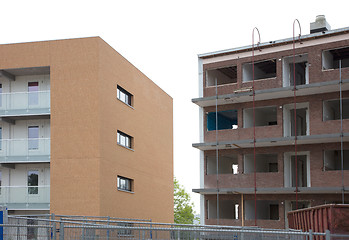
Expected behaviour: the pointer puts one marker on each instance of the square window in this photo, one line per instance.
(124, 140)
(124, 184)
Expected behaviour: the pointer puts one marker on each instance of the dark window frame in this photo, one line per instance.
(124, 184)
(127, 142)
(124, 96)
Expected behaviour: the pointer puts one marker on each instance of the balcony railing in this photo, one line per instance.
(25, 197)
(24, 103)
(25, 150)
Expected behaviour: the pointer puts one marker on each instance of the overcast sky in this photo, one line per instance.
(162, 39)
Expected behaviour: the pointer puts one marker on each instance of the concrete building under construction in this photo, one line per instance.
(274, 127)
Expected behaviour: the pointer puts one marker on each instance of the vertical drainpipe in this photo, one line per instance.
(201, 136)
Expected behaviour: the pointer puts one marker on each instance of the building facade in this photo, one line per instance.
(281, 172)
(83, 132)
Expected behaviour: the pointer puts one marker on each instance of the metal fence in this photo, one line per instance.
(80, 227)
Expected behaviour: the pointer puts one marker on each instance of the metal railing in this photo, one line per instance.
(46, 227)
(23, 197)
(11, 149)
(24, 101)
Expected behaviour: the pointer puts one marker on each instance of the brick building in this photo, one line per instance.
(229, 168)
(83, 132)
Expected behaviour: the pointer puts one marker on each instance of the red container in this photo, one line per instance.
(334, 217)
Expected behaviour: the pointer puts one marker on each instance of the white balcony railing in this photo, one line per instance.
(24, 196)
(24, 101)
(24, 148)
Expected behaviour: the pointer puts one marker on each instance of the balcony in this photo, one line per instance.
(25, 150)
(25, 103)
(24, 197)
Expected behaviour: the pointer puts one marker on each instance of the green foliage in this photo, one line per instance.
(183, 207)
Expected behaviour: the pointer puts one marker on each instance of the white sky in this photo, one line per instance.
(162, 39)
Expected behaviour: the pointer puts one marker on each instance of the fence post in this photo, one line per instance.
(310, 234)
(328, 234)
(54, 231)
(108, 228)
(61, 231)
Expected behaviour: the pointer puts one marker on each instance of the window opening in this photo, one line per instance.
(301, 171)
(331, 109)
(33, 137)
(124, 95)
(332, 160)
(302, 120)
(124, 140)
(228, 164)
(228, 209)
(264, 163)
(301, 70)
(301, 205)
(266, 210)
(124, 184)
(33, 182)
(264, 116)
(33, 94)
(226, 120)
(331, 58)
(262, 70)
(225, 75)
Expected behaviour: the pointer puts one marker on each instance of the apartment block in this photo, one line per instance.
(83, 132)
(246, 182)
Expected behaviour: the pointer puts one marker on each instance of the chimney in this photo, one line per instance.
(320, 24)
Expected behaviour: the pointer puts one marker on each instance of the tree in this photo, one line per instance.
(183, 207)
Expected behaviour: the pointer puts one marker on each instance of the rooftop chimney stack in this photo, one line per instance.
(320, 24)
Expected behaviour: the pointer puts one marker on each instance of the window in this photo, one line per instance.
(124, 140)
(33, 181)
(331, 109)
(228, 209)
(264, 163)
(124, 184)
(226, 120)
(266, 209)
(302, 119)
(227, 164)
(264, 116)
(333, 160)
(262, 70)
(225, 75)
(33, 95)
(331, 58)
(33, 137)
(124, 96)
(298, 70)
